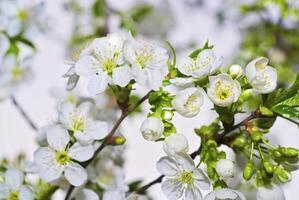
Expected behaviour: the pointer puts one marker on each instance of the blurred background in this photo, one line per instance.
(239, 31)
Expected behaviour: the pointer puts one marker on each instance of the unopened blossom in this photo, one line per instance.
(225, 193)
(188, 102)
(235, 71)
(80, 121)
(148, 62)
(86, 194)
(223, 90)
(261, 76)
(175, 143)
(225, 169)
(59, 159)
(152, 128)
(103, 62)
(182, 178)
(201, 66)
(272, 192)
(13, 186)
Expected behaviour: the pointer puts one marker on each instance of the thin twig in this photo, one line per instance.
(107, 139)
(24, 114)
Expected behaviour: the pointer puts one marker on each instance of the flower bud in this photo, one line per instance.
(175, 143)
(167, 115)
(282, 175)
(152, 128)
(256, 136)
(268, 166)
(188, 102)
(225, 169)
(289, 151)
(239, 142)
(235, 71)
(118, 140)
(248, 170)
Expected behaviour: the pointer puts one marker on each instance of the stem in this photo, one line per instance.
(260, 151)
(107, 139)
(252, 149)
(23, 113)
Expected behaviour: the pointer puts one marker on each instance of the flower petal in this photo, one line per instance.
(122, 75)
(98, 83)
(97, 130)
(26, 193)
(184, 161)
(167, 166)
(4, 191)
(172, 189)
(75, 174)
(86, 194)
(81, 153)
(193, 193)
(202, 180)
(86, 66)
(14, 178)
(57, 137)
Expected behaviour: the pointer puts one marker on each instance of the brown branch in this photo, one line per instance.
(253, 115)
(107, 139)
(23, 113)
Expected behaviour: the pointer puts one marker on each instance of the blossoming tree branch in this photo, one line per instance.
(81, 152)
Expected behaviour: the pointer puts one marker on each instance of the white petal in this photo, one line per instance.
(98, 83)
(167, 166)
(86, 66)
(26, 194)
(202, 180)
(57, 137)
(184, 161)
(81, 153)
(83, 138)
(186, 66)
(122, 75)
(97, 130)
(65, 114)
(75, 174)
(154, 79)
(4, 191)
(14, 178)
(193, 193)
(172, 189)
(129, 51)
(175, 143)
(139, 75)
(87, 194)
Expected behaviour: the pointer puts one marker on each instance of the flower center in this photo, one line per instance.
(186, 177)
(13, 196)
(191, 103)
(109, 65)
(62, 157)
(72, 99)
(16, 73)
(23, 15)
(143, 58)
(78, 124)
(223, 91)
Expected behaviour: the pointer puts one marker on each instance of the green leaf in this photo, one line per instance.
(195, 53)
(287, 111)
(27, 42)
(139, 12)
(98, 8)
(133, 186)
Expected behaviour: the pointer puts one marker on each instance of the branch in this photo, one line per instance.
(23, 113)
(107, 139)
(253, 115)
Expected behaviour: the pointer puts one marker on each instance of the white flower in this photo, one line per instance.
(103, 62)
(148, 62)
(134, 196)
(182, 82)
(182, 178)
(205, 64)
(59, 159)
(4, 44)
(79, 120)
(225, 193)
(86, 194)
(152, 128)
(13, 186)
(61, 95)
(175, 143)
(235, 71)
(226, 169)
(261, 76)
(188, 102)
(272, 192)
(223, 90)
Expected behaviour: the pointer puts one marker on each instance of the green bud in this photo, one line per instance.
(118, 140)
(167, 115)
(256, 136)
(211, 143)
(248, 170)
(289, 151)
(265, 111)
(276, 154)
(239, 142)
(268, 166)
(282, 175)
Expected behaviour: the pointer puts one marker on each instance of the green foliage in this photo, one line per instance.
(195, 53)
(44, 191)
